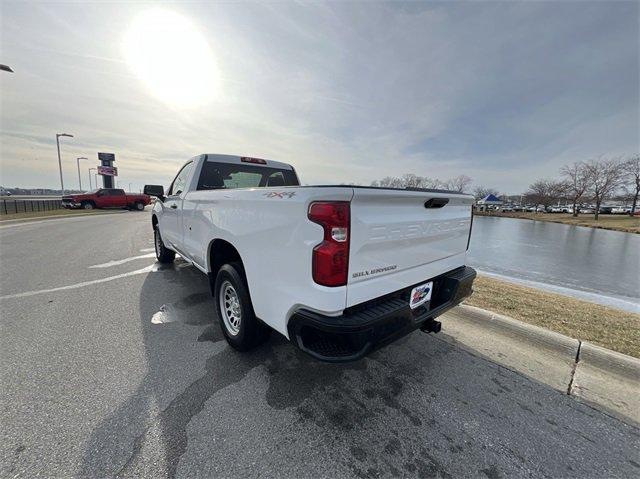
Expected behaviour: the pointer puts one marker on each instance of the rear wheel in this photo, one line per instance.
(163, 254)
(242, 330)
(139, 206)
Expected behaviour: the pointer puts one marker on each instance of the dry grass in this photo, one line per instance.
(625, 223)
(607, 327)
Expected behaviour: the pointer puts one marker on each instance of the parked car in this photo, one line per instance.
(587, 210)
(606, 210)
(106, 198)
(557, 209)
(338, 270)
(621, 210)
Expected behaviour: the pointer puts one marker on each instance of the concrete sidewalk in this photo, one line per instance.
(607, 380)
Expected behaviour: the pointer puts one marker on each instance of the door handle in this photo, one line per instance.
(173, 206)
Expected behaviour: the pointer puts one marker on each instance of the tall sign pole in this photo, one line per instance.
(106, 169)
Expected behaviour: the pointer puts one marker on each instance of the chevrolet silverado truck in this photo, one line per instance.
(106, 198)
(338, 270)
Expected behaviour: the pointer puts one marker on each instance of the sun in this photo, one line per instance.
(172, 58)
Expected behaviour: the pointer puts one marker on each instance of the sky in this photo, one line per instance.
(503, 92)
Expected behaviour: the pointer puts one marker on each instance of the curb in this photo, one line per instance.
(610, 361)
(590, 354)
(605, 379)
(527, 332)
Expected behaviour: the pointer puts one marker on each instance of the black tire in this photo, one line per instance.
(87, 205)
(139, 206)
(250, 332)
(163, 254)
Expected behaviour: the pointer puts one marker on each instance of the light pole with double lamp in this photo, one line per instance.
(78, 162)
(58, 135)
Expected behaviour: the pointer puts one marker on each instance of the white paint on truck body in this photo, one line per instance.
(393, 237)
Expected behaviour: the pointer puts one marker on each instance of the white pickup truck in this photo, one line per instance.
(339, 270)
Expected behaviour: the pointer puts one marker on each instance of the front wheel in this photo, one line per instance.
(87, 205)
(242, 330)
(163, 254)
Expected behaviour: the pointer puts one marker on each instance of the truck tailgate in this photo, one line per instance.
(402, 237)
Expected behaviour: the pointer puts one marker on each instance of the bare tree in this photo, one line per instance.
(480, 192)
(604, 177)
(546, 192)
(388, 182)
(459, 183)
(631, 172)
(431, 183)
(577, 183)
(411, 180)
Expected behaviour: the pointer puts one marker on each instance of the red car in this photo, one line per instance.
(106, 198)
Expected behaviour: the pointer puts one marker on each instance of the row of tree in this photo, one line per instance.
(582, 181)
(590, 181)
(409, 180)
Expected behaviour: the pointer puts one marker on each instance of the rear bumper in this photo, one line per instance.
(371, 325)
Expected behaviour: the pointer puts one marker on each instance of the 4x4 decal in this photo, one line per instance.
(280, 194)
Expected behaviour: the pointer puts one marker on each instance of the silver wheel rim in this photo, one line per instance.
(88, 206)
(140, 206)
(230, 308)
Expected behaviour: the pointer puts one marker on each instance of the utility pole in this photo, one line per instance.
(78, 161)
(58, 135)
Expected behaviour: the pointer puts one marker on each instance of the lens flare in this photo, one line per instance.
(172, 58)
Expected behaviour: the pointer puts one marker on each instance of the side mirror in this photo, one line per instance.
(154, 190)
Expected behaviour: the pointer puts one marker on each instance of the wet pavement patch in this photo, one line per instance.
(178, 311)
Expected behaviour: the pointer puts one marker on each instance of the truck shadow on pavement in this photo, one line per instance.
(419, 407)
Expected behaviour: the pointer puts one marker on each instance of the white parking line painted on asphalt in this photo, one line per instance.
(122, 261)
(178, 265)
(148, 269)
(146, 250)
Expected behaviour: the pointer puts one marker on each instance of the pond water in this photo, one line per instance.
(593, 264)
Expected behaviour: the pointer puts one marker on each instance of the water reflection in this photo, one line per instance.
(583, 259)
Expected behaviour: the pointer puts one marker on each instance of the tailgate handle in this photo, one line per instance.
(436, 202)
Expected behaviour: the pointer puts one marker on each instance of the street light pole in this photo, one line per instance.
(129, 187)
(58, 135)
(78, 162)
(90, 187)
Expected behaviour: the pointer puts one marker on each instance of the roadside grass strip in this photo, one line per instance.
(607, 327)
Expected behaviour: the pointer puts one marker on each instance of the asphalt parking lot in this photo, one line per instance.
(115, 366)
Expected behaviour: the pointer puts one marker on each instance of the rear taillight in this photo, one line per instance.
(330, 261)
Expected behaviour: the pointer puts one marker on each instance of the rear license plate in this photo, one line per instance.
(420, 294)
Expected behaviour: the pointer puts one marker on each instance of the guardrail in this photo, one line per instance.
(10, 207)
